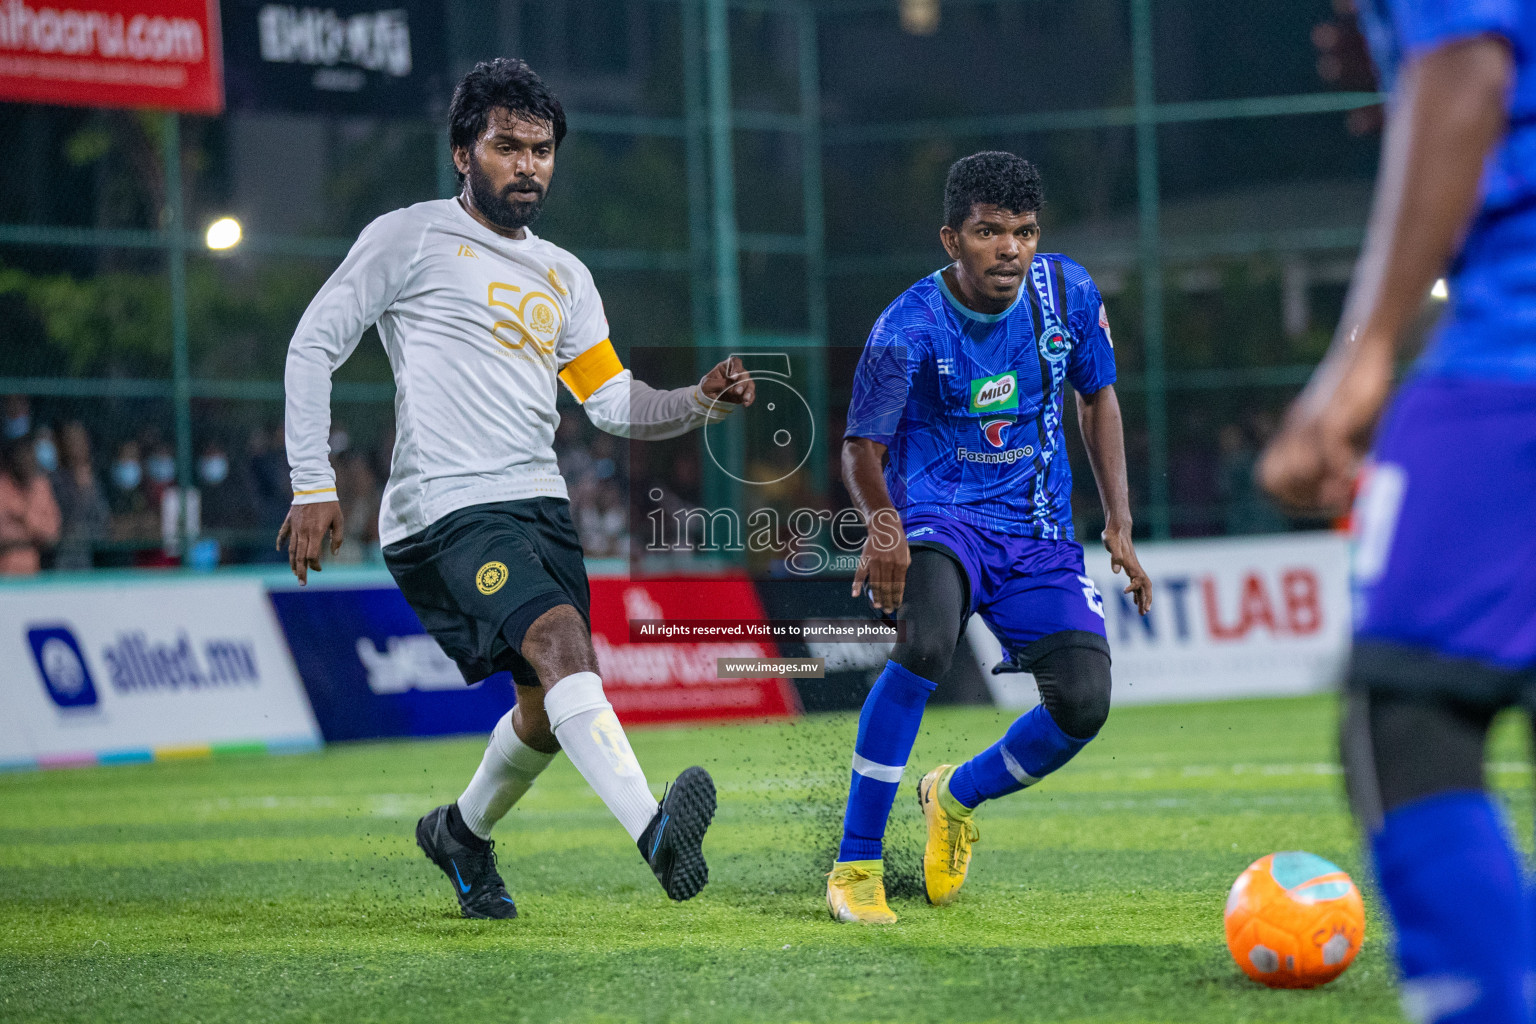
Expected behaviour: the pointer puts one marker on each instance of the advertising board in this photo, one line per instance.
(351, 57)
(162, 54)
(673, 682)
(143, 670)
(371, 670)
(1236, 617)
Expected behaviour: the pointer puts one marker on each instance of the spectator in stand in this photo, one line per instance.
(159, 480)
(1248, 510)
(15, 417)
(382, 454)
(228, 503)
(29, 517)
(269, 476)
(613, 521)
(571, 450)
(45, 447)
(159, 470)
(84, 519)
(133, 519)
(45, 451)
(358, 491)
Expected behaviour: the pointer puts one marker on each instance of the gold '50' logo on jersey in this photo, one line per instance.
(535, 320)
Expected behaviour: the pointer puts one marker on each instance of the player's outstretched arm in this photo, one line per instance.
(617, 403)
(883, 565)
(1450, 111)
(1098, 416)
(351, 300)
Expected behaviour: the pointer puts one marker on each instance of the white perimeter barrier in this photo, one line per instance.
(111, 671)
(1238, 617)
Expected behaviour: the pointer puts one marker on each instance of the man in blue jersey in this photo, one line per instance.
(956, 456)
(1445, 557)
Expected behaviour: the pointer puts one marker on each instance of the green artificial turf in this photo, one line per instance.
(290, 888)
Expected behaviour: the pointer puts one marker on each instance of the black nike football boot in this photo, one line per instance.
(472, 871)
(672, 844)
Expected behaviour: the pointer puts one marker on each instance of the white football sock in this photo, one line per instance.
(505, 773)
(591, 736)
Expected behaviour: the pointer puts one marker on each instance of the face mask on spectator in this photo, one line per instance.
(17, 426)
(212, 469)
(161, 468)
(126, 474)
(47, 454)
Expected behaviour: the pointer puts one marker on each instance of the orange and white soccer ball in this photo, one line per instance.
(1294, 920)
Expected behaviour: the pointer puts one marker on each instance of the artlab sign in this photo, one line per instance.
(1238, 617)
(161, 54)
(358, 57)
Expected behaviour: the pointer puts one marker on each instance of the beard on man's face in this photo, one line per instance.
(496, 207)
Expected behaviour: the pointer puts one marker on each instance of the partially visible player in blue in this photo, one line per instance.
(1445, 559)
(955, 454)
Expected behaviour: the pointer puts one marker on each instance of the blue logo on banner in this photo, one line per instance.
(62, 666)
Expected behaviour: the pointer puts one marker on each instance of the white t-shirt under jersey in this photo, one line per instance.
(476, 326)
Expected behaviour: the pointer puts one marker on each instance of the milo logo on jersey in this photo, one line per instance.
(995, 394)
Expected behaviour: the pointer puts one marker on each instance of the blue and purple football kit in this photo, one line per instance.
(970, 407)
(1445, 572)
(1448, 540)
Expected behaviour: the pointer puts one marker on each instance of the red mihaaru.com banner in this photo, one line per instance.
(161, 54)
(672, 682)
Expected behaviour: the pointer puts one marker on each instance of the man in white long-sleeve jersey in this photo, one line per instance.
(479, 317)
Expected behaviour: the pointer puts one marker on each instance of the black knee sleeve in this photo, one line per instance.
(1400, 748)
(1071, 670)
(925, 654)
(933, 609)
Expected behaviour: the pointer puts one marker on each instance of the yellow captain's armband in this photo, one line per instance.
(591, 370)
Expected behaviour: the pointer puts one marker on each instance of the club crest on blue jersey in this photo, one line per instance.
(1054, 346)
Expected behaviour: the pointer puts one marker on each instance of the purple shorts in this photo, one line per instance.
(1023, 588)
(1445, 545)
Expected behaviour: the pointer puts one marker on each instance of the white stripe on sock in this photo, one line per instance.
(874, 770)
(1015, 769)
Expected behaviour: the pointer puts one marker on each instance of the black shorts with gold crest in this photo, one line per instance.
(479, 577)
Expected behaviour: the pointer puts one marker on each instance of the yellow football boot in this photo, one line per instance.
(947, 854)
(856, 893)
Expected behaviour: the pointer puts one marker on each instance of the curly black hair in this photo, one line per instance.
(1000, 179)
(504, 82)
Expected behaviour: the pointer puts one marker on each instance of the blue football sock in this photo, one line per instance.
(887, 729)
(1453, 884)
(1032, 748)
